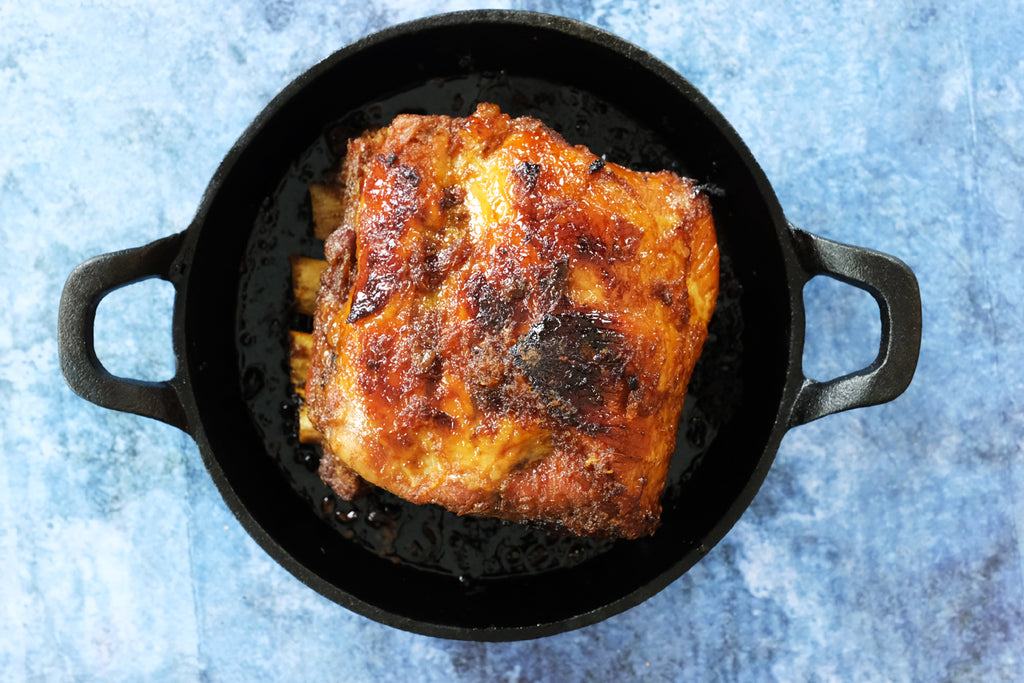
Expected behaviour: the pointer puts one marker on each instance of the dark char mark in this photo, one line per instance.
(574, 361)
(528, 173)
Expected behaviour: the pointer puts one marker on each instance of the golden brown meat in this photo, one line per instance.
(508, 324)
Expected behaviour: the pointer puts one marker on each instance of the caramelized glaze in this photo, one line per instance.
(508, 323)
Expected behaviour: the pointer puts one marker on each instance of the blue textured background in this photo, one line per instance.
(886, 543)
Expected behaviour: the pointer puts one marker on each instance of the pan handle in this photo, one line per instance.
(85, 288)
(895, 289)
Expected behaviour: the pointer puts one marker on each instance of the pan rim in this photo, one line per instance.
(606, 41)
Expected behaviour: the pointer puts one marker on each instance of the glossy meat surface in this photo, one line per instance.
(507, 324)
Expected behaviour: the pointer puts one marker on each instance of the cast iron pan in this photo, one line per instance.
(419, 567)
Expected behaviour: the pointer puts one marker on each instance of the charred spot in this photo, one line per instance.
(443, 419)
(528, 173)
(434, 373)
(431, 270)
(440, 260)
(374, 363)
(385, 220)
(675, 298)
(391, 200)
(590, 245)
(380, 284)
(453, 195)
(437, 417)
(606, 239)
(574, 361)
(489, 377)
(409, 174)
(597, 165)
(495, 306)
(397, 199)
(663, 293)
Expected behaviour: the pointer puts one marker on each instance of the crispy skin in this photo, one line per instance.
(508, 324)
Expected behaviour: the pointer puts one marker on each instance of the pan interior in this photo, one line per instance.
(421, 567)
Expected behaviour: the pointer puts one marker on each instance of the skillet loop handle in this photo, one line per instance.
(85, 288)
(895, 289)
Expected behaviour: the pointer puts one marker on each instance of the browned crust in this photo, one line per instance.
(507, 324)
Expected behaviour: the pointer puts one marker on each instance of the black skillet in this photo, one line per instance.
(418, 567)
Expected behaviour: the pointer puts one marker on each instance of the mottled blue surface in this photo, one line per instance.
(886, 543)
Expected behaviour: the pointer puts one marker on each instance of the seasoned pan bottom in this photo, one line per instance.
(429, 537)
